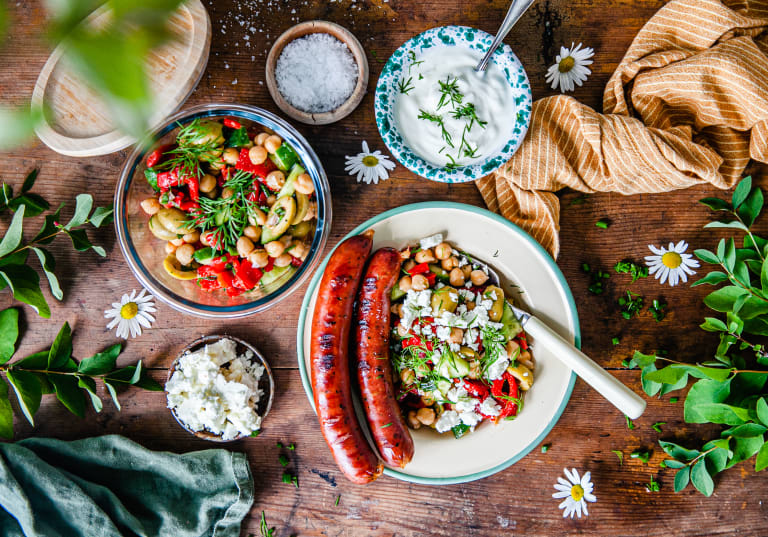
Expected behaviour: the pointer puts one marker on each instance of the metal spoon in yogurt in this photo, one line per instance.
(516, 10)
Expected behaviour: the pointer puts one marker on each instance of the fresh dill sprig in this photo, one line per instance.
(438, 120)
(414, 63)
(469, 112)
(404, 86)
(449, 93)
(189, 152)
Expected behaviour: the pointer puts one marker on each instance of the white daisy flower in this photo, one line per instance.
(131, 313)
(671, 263)
(571, 67)
(369, 167)
(576, 491)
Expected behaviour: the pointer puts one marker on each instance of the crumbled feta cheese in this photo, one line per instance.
(443, 333)
(487, 304)
(468, 284)
(416, 304)
(470, 336)
(492, 295)
(453, 296)
(431, 241)
(463, 261)
(455, 347)
(495, 370)
(470, 418)
(208, 395)
(439, 285)
(467, 294)
(461, 308)
(490, 407)
(447, 421)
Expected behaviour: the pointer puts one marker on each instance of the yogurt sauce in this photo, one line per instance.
(436, 98)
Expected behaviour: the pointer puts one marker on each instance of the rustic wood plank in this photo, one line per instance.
(516, 501)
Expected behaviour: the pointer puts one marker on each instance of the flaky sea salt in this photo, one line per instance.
(316, 73)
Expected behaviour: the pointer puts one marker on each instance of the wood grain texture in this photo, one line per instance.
(516, 501)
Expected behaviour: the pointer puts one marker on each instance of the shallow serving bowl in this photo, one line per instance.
(144, 253)
(387, 93)
(539, 285)
(266, 382)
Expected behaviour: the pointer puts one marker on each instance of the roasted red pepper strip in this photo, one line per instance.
(421, 268)
(416, 342)
(193, 184)
(246, 277)
(166, 180)
(521, 339)
(507, 398)
(154, 157)
(476, 388)
(207, 284)
(431, 278)
(261, 170)
(231, 123)
(295, 261)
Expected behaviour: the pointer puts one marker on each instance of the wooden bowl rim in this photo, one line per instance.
(354, 46)
(205, 435)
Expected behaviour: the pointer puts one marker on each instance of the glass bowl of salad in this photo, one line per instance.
(225, 213)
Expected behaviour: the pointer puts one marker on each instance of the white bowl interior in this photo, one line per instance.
(521, 262)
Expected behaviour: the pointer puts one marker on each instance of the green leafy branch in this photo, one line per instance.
(55, 371)
(15, 273)
(729, 390)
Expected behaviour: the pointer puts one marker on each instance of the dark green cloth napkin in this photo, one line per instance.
(110, 486)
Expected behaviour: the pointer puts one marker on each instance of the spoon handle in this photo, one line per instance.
(606, 384)
(516, 10)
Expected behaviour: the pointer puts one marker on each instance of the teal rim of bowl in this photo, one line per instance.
(386, 95)
(515, 229)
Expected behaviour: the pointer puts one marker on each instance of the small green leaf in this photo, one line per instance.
(735, 225)
(12, 237)
(61, 349)
(101, 216)
(761, 461)
(48, 232)
(668, 375)
(678, 452)
(28, 392)
(712, 324)
(748, 430)
(674, 464)
(716, 204)
(89, 385)
(80, 240)
(721, 249)
(9, 333)
(68, 392)
(762, 411)
(112, 393)
(619, 454)
(681, 478)
(745, 448)
(724, 298)
(741, 191)
(729, 259)
(713, 278)
(701, 479)
(34, 204)
(751, 207)
(707, 256)
(25, 284)
(49, 264)
(6, 412)
(83, 205)
(642, 360)
(29, 182)
(101, 363)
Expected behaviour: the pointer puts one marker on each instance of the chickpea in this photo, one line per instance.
(170, 248)
(478, 277)
(450, 263)
(184, 253)
(227, 193)
(261, 138)
(257, 217)
(311, 212)
(526, 358)
(409, 265)
(425, 256)
(216, 166)
(252, 232)
(474, 369)
(401, 330)
(286, 239)
(271, 200)
(513, 349)
(230, 156)
(259, 258)
(470, 305)
(213, 194)
(299, 250)
(192, 237)
(283, 260)
(443, 251)
(272, 143)
(405, 283)
(405, 254)
(407, 376)
(467, 270)
(275, 180)
(413, 420)
(426, 416)
(456, 277)
(244, 246)
(304, 184)
(274, 248)
(178, 241)
(207, 183)
(151, 206)
(419, 282)
(428, 399)
(457, 336)
(208, 238)
(397, 309)
(422, 370)
(257, 154)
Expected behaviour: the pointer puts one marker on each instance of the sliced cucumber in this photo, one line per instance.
(275, 278)
(282, 213)
(440, 273)
(160, 231)
(204, 256)
(396, 293)
(302, 208)
(284, 157)
(290, 182)
(452, 366)
(511, 324)
(300, 230)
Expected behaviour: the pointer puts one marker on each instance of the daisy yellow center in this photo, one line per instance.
(672, 260)
(566, 64)
(370, 161)
(129, 310)
(577, 492)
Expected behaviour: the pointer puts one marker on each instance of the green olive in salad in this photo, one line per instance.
(233, 204)
(460, 354)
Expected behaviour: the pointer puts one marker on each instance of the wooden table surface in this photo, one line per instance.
(516, 501)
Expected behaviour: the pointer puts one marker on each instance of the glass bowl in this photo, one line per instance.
(145, 253)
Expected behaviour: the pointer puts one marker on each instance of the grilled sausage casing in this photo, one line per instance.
(374, 370)
(330, 361)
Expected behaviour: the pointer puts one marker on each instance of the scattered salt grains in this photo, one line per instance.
(316, 73)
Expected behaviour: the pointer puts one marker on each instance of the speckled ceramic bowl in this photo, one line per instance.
(387, 92)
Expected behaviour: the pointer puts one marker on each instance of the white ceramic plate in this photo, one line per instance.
(522, 262)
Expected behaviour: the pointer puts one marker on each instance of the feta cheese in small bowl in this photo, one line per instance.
(220, 388)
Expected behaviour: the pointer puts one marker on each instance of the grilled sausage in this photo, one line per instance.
(374, 370)
(330, 361)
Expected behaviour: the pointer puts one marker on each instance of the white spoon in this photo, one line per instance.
(603, 382)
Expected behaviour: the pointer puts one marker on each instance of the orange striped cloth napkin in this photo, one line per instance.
(688, 104)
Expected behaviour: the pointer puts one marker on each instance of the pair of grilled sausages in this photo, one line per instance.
(330, 359)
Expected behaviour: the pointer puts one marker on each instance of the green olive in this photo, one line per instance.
(174, 220)
(302, 207)
(159, 230)
(497, 310)
(279, 219)
(444, 299)
(300, 230)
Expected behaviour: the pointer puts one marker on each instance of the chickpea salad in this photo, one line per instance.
(233, 205)
(460, 354)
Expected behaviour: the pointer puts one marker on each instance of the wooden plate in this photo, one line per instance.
(354, 46)
(78, 123)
